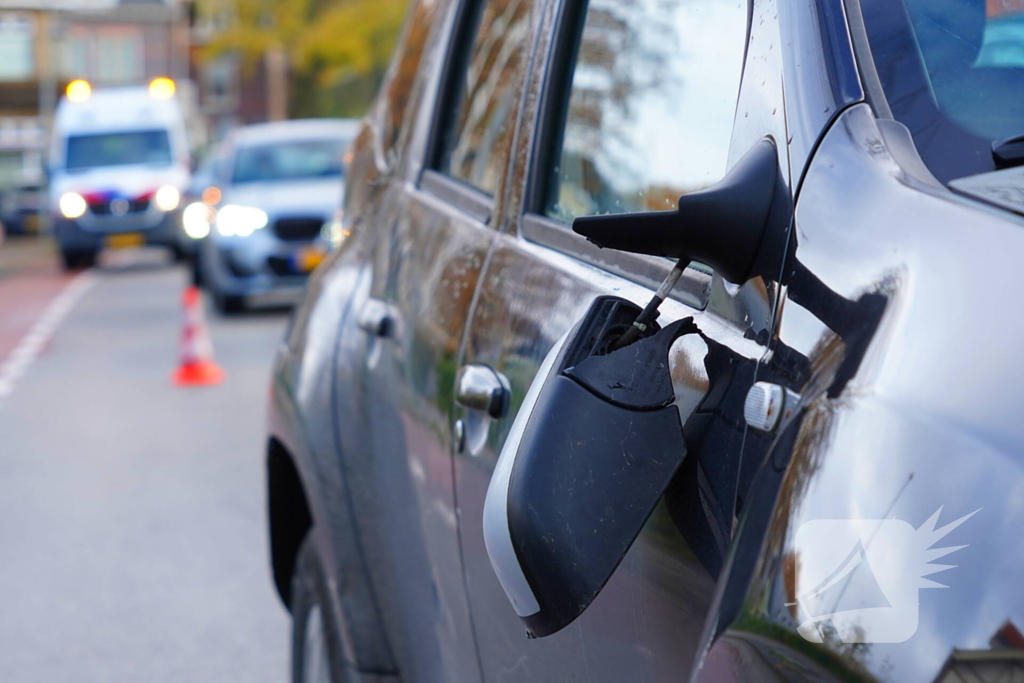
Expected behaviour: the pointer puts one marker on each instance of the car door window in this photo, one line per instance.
(650, 110)
(483, 95)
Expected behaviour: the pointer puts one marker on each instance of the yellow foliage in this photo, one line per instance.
(336, 38)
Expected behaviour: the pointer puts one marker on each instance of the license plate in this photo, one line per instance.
(307, 259)
(125, 240)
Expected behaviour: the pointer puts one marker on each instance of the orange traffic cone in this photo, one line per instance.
(196, 366)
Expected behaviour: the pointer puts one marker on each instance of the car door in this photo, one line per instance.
(436, 229)
(632, 104)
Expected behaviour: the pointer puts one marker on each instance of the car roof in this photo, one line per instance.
(298, 129)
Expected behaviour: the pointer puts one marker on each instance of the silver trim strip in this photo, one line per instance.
(497, 535)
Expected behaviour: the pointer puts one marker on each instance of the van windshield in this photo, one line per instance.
(288, 160)
(118, 149)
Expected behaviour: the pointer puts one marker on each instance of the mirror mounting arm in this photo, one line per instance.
(724, 226)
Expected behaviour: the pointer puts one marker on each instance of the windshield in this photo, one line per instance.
(953, 73)
(118, 149)
(289, 160)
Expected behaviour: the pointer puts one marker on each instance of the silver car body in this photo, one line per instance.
(260, 265)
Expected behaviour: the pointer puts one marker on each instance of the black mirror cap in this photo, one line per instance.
(589, 476)
(737, 226)
(600, 447)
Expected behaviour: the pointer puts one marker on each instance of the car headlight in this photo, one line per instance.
(333, 231)
(72, 205)
(167, 198)
(196, 220)
(234, 219)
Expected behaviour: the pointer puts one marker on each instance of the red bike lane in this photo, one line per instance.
(30, 278)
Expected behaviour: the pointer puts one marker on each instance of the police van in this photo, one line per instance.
(119, 159)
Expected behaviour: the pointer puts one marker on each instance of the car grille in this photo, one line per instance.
(103, 208)
(298, 229)
(281, 266)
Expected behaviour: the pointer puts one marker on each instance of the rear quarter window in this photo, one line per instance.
(402, 74)
(487, 72)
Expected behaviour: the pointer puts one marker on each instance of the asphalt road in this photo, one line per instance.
(132, 515)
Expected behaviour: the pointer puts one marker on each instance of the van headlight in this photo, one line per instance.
(167, 198)
(72, 205)
(234, 219)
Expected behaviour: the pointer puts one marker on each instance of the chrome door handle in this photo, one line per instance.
(478, 387)
(375, 318)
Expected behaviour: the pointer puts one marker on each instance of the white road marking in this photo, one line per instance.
(29, 347)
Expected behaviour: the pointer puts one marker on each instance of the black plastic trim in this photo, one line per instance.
(837, 44)
(873, 91)
(464, 197)
(748, 545)
(551, 112)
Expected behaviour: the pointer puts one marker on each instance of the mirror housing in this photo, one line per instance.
(593, 448)
(737, 226)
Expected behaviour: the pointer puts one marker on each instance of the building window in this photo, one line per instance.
(17, 39)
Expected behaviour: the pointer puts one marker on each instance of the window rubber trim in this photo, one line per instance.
(874, 94)
(837, 44)
(471, 201)
(455, 60)
(559, 68)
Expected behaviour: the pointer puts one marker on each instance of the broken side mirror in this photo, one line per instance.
(593, 448)
(598, 438)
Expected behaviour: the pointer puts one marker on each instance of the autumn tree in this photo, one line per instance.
(336, 51)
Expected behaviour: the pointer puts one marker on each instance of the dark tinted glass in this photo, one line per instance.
(289, 160)
(650, 112)
(953, 73)
(118, 149)
(483, 101)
